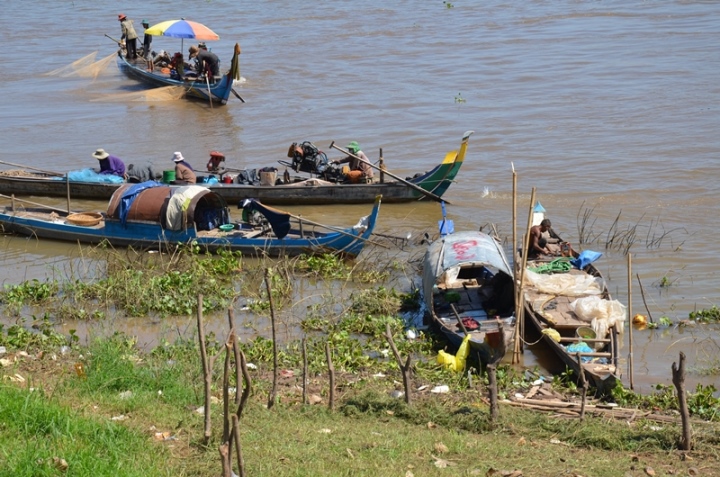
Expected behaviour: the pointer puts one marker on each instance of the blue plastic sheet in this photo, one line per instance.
(90, 175)
(585, 258)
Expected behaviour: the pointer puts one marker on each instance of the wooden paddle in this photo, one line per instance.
(237, 95)
(385, 171)
(207, 81)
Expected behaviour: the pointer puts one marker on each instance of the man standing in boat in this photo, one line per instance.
(360, 170)
(129, 35)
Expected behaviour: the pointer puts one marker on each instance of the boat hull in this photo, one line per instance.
(436, 181)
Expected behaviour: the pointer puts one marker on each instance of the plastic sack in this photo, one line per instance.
(601, 314)
(580, 347)
(457, 362)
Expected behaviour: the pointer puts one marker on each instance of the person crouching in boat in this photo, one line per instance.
(110, 164)
(184, 173)
(543, 240)
(360, 170)
(216, 164)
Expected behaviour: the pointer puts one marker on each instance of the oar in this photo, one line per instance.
(113, 39)
(32, 168)
(385, 171)
(336, 229)
(237, 95)
(49, 207)
(207, 81)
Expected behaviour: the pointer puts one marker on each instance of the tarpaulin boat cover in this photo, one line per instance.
(279, 221)
(461, 248)
(122, 204)
(179, 206)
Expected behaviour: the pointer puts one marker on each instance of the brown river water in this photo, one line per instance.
(609, 110)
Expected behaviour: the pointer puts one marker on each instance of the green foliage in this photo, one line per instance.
(31, 291)
(708, 315)
(701, 403)
(42, 335)
(327, 266)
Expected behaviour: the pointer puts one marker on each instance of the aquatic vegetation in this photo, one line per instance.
(708, 315)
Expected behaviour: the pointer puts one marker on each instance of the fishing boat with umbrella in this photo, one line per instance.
(173, 71)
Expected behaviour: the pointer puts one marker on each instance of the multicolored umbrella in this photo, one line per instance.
(182, 29)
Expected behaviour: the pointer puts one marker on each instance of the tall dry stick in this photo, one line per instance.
(206, 367)
(642, 293)
(678, 378)
(331, 372)
(226, 387)
(236, 353)
(247, 388)
(273, 391)
(404, 368)
(238, 446)
(304, 371)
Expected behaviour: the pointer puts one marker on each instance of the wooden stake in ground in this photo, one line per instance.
(304, 372)
(273, 391)
(493, 391)
(331, 372)
(238, 447)
(678, 378)
(583, 386)
(404, 368)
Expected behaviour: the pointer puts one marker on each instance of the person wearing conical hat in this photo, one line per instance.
(360, 170)
(129, 35)
(109, 164)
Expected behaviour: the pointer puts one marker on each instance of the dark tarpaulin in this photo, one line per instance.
(279, 221)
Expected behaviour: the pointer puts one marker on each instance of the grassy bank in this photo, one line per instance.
(111, 410)
(110, 407)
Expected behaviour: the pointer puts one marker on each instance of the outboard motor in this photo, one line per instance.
(306, 158)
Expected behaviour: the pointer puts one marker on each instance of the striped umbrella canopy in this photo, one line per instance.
(182, 29)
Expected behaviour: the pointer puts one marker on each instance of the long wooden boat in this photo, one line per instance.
(466, 278)
(217, 91)
(151, 215)
(576, 317)
(310, 192)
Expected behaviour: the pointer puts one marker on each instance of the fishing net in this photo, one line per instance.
(85, 67)
(165, 93)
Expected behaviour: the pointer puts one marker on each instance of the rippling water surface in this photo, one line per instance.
(607, 109)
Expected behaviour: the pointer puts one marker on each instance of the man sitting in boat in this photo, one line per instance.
(216, 164)
(360, 170)
(207, 64)
(109, 164)
(543, 241)
(184, 173)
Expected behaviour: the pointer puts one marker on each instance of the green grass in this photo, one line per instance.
(69, 416)
(37, 430)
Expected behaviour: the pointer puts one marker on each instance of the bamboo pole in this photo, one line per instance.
(520, 296)
(67, 183)
(630, 328)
